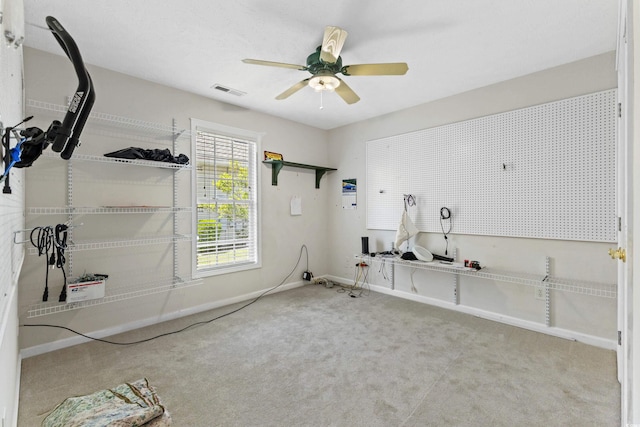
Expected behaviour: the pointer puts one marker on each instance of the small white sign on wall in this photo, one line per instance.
(296, 205)
(349, 194)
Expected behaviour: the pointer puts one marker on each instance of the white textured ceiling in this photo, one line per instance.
(451, 46)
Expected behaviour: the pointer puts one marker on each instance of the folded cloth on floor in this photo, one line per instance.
(127, 405)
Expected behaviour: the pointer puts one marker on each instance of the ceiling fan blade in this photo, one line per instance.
(274, 64)
(293, 89)
(388, 69)
(332, 43)
(346, 93)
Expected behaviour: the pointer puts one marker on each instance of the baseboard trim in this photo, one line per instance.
(496, 317)
(17, 395)
(509, 320)
(75, 340)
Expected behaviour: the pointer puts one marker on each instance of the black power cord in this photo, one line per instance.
(445, 214)
(204, 322)
(44, 243)
(51, 242)
(60, 242)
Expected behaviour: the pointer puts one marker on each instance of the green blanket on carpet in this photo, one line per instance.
(127, 405)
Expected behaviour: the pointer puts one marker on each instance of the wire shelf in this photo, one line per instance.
(597, 289)
(112, 244)
(84, 210)
(119, 129)
(113, 121)
(103, 159)
(146, 289)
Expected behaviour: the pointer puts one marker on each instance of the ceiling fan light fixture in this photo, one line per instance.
(324, 82)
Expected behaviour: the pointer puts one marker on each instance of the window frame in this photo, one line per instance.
(229, 132)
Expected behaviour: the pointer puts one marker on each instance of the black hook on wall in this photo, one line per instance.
(409, 200)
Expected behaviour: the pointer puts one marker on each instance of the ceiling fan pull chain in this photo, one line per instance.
(321, 106)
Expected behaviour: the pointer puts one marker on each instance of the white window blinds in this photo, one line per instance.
(226, 201)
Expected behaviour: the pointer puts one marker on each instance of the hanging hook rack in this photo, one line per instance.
(28, 231)
(409, 200)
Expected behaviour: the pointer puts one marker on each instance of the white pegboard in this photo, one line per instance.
(546, 171)
(11, 205)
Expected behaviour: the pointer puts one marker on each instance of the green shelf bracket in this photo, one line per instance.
(275, 170)
(277, 165)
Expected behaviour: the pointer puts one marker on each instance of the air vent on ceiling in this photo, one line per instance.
(228, 90)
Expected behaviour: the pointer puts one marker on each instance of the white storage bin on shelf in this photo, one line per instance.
(84, 289)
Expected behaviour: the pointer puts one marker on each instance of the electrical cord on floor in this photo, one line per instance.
(351, 290)
(322, 281)
(204, 322)
(361, 273)
(341, 288)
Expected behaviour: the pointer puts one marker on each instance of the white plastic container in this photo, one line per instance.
(422, 254)
(83, 291)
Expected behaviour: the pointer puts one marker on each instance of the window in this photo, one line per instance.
(225, 198)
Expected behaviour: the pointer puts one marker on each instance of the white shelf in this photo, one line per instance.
(115, 160)
(118, 129)
(44, 309)
(122, 243)
(110, 121)
(597, 289)
(88, 210)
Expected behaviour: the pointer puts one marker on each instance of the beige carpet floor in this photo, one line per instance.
(312, 356)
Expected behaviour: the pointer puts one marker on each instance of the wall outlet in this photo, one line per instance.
(540, 293)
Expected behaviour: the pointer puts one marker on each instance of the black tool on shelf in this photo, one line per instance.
(442, 258)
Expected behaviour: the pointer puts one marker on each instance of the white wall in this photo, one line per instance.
(584, 317)
(11, 212)
(50, 78)
(634, 335)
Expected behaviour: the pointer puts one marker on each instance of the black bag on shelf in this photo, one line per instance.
(158, 155)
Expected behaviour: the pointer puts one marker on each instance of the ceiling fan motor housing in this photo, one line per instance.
(315, 65)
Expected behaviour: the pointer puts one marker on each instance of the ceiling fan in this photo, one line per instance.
(326, 62)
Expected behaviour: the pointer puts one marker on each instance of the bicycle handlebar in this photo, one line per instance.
(67, 136)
